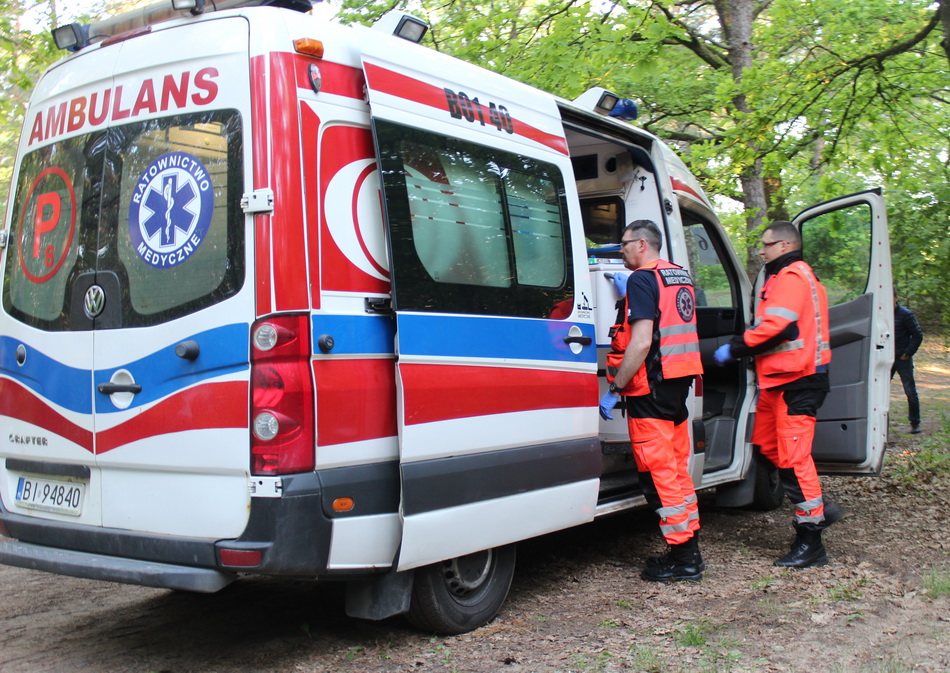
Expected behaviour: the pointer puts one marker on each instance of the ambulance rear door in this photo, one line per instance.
(171, 343)
(845, 240)
(496, 360)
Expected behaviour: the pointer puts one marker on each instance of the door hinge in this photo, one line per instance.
(3, 239)
(378, 305)
(258, 201)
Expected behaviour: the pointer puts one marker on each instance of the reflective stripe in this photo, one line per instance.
(678, 349)
(801, 518)
(691, 499)
(693, 516)
(674, 527)
(666, 512)
(810, 504)
(672, 330)
(814, 300)
(782, 312)
(795, 345)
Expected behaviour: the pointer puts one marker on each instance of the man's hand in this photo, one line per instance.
(723, 355)
(619, 279)
(607, 403)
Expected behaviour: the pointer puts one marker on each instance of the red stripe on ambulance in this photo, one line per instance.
(18, 402)
(432, 391)
(262, 228)
(355, 400)
(335, 78)
(288, 225)
(207, 407)
(409, 88)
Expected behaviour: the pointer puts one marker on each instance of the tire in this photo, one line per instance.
(461, 594)
(768, 493)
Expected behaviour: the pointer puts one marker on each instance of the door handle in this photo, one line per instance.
(582, 340)
(110, 388)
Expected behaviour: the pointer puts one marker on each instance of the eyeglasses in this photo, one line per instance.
(763, 244)
(630, 240)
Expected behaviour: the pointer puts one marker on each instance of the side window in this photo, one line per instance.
(473, 229)
(709, 275)
(837, 245)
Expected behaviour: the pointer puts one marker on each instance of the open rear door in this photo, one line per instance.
(846, 242)
(496, 360)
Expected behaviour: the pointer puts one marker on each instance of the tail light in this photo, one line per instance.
(282, 397)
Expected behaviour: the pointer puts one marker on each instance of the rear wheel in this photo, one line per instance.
(768, 493)
(463, 593)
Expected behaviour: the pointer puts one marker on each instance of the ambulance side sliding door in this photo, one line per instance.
(496, 361)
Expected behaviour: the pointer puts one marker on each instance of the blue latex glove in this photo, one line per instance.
(607, 403)
(723, 354)
(620, 282)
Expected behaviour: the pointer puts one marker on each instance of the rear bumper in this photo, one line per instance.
(113, 569)
(291, 532)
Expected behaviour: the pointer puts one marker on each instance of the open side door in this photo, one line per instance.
(845, 241)
(496, 360)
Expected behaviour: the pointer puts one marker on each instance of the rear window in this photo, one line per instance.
(149, 211)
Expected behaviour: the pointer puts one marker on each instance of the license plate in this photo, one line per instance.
(50, 495)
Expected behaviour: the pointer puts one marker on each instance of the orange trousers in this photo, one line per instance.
(662, 449)
(786, 439)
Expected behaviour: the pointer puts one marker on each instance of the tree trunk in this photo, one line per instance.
(736, 18)
(944, 9)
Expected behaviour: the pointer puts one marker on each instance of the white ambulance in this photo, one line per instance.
(296, 299)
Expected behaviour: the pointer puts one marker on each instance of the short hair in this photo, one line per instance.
(647, 230)
(785, 231)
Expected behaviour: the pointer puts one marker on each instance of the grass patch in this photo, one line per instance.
(694, 634)
(917, 468)
(645, 659)
(937, 583)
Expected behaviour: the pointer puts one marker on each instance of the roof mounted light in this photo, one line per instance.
(196, 7)
(72, 36)
(608, 103)
(402, 25)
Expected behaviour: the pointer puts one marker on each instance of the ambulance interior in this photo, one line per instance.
(617, 183)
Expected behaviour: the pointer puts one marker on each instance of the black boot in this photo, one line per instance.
(682, 565)
(663, 559)
(806, 551)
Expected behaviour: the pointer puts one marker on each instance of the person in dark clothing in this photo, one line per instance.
(907, 339)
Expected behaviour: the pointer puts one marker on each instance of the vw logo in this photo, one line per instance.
(94, 301)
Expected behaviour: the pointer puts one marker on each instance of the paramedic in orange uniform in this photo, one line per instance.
(789, 340)
(655, 356)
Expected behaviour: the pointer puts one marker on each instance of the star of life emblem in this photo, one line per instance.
(170, 210)
(684, 304)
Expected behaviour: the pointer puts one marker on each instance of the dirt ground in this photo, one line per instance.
(577, 603)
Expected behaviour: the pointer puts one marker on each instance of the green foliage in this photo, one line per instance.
(26, 50)
(838, 96)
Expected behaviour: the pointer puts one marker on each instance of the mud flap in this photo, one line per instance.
(379, 597)
(740, 493)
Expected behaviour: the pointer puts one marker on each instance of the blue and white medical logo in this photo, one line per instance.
(170, 210)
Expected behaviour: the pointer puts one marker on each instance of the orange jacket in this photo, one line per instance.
(674, 326)
(791, 298)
